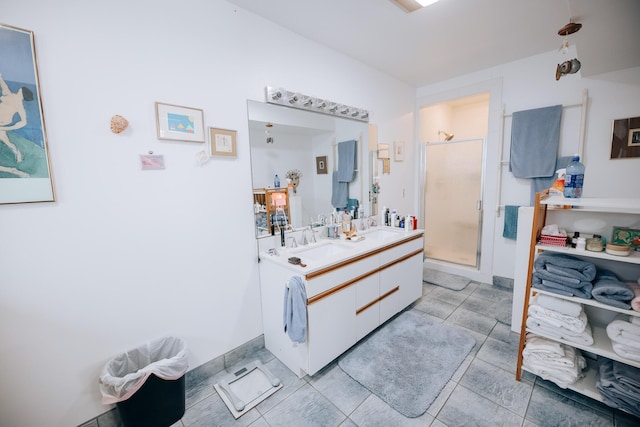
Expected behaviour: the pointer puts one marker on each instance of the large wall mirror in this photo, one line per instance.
(286, 140)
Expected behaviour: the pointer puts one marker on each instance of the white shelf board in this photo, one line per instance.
(595, 204)
(632, 258)
(590, 302)
(587, 384)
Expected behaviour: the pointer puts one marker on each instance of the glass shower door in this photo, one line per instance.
(452, 201)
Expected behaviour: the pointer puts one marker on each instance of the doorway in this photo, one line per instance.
(453, 176)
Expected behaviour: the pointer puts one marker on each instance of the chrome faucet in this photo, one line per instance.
(293, 243)
(305, 241)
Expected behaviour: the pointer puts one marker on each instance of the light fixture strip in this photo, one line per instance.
(281, 96)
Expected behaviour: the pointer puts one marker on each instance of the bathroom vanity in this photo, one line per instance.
(352, 287)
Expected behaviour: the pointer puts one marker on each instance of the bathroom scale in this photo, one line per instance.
(246, 387)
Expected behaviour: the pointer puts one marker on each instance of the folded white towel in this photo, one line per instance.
(556, 319)
(624, 331)
(626, 351)
(536, 343)
(583, 338)
(563, 306)
(552, 361)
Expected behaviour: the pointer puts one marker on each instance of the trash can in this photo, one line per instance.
(147, 383)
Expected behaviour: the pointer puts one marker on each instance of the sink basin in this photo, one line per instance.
(321, 251)
(381, 235)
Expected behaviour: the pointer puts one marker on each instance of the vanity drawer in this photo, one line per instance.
(342, 274)
(401, 250)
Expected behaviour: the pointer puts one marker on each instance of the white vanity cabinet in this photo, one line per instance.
(347, 298)
(607, 212)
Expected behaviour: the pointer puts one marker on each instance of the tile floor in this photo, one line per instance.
(483, 392)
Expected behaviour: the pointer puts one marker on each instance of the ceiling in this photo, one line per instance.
(456, 37)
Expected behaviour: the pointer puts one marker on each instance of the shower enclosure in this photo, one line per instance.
(453, 180)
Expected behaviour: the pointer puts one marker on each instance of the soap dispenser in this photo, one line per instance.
(276, 181)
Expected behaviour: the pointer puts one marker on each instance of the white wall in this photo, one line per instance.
(126, 256)
(530, 83)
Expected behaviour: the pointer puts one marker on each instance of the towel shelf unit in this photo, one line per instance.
(566, 213)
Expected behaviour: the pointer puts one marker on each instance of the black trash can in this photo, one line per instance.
(147, 384)
(157, 403)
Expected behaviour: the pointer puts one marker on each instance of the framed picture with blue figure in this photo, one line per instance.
(179, 123)
(25, 169)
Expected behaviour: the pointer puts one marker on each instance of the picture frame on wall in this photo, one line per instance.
(223, 142)
(25, 167)
(625, 138)
(321, 165)
(398, 151)
(178, 123)
(151, 161)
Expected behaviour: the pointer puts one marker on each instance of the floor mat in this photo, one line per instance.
(408, 361)
(446, 280)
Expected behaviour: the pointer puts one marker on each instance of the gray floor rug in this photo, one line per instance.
(446, 280)
(408, 361)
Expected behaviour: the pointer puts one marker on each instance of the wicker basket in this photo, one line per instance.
(546, 239)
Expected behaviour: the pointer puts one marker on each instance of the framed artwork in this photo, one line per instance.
(178, 123)
(398, 151)
(321, 165)
(383, 151)
(151, 161)
(223, 142)
(25, 170)
(625, 139)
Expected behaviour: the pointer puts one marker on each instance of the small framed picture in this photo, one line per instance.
(321, 165)
(383, 151)
(625, 138)
(398, 151)
(151, 161)
(634, 138)
(223, 142)
(178, 123)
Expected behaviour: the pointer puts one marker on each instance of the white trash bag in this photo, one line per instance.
(125, 374)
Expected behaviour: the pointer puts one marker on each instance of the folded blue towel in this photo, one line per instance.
(339, 193)
(607, 289)
(561, 286)
(566, 267)
(535, 136)
(615, 393)
(347, 161)
(510, 230)
(295, 310)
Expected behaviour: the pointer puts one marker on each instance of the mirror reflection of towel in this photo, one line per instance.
(347, 160)
(340, 192)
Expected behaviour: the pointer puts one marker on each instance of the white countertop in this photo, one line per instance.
(326, 252)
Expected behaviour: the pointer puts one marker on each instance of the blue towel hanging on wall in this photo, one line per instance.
(535, 136)
(510, 230)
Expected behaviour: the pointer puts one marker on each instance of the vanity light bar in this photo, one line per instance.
(284, 97)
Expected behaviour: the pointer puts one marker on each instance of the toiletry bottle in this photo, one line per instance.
(394, 215)
(574, 178)
(276, 181)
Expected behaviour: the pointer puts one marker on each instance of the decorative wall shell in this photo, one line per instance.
(118, 124)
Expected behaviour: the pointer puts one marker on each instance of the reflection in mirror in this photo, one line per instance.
(287, 144)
